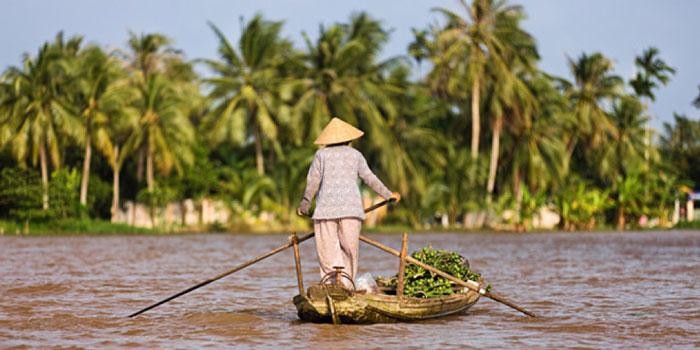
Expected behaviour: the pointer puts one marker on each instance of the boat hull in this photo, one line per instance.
(322, 302)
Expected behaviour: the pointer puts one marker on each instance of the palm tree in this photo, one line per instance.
(630, 140)
(509, 96)
(426, 46)
(680, 144)
(630, 195)
(244, 189)
(343, 78)
(500, 101)
(537, 155)
(148, 54)
(449, 192)
(477, 40)
(416, 147)
(683, 134)
(246, 85)
(119, 132)
(289, 179)
(36, 120)
(652, 70)
(628, 146)
(97, 100)
(593, 84)
(164, 130)
(621, 162)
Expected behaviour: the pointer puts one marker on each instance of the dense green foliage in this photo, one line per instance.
(482, 135)
(421, 283)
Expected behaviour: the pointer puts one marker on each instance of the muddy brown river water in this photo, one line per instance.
(631, 290)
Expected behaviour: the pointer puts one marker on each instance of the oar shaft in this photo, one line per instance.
(445, 275)
(505, 301)
(237, 268)
(382, 203)
(202, 284)
(244, 265)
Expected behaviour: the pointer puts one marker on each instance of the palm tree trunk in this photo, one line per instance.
(86, 170)
(271, 158)
(618, 150)
(149, 166)
(258, 150)
(493, 166)
(476, 129)
(647, 138)
(620, 218)
(44, 175)
(516, 187)
(115, 184)
(518, 193)
(571, 146)
(139, 166)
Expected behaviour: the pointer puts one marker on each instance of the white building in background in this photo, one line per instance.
(185, 213)
(691, 212)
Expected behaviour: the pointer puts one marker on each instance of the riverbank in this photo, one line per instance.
(73, 227)
(98, 227)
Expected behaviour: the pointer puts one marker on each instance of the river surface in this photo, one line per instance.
(630, 290)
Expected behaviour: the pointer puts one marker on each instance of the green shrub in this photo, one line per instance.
(21, 196)
(688, 224)
(64, 193)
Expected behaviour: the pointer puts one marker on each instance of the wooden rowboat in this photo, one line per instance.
(333, 303)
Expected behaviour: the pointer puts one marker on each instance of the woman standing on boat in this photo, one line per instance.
(338, 215)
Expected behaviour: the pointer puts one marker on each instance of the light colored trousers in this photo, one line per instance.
(337, 242)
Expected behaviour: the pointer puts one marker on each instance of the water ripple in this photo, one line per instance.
(591, 290)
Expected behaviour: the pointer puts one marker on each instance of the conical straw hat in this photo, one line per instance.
(338, 131)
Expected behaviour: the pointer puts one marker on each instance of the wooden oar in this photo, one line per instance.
(448, 276)
(244, 265)
(239, 267)
(380, 204)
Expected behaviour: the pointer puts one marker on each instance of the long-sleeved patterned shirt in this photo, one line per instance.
(333, 175)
